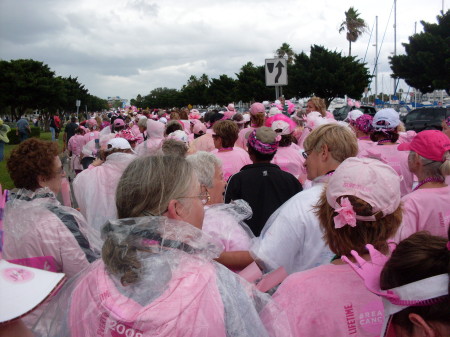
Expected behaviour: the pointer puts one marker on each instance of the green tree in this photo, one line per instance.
(251, 84)
(328, 74)
(28, 84)
(162, 98)
(426, 64)
(194, 91)
(221, 90)
(286, 52)
(354, 27)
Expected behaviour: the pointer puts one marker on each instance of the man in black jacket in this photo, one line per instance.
(262, 184)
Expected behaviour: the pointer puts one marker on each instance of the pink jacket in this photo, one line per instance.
(76, 144)
(91, 135)
(155, 132)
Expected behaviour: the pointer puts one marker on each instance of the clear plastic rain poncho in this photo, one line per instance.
(95, 191)
(225, 222)
(179, 290)
(37, 225)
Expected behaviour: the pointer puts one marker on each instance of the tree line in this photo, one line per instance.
(28, 84)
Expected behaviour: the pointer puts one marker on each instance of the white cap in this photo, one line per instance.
(284, 126)
(22, 289)
(119, 143)
(179, 135)
(386, 119)
(353, 115)
(274, 111)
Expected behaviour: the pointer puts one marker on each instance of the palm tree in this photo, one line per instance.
(285, 51)
(354, 26)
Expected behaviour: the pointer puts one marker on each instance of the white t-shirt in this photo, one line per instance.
(292, 237)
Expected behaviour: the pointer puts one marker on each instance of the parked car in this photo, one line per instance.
(426, 118)
(341, 113)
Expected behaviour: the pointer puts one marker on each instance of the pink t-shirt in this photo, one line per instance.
(426, 209)
(364, 144)
(232, 161)
(330, 300)
(290, 159)
(398, 160)
(242, 141)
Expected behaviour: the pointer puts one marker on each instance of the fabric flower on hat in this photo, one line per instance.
(346, 214)
(127, 134)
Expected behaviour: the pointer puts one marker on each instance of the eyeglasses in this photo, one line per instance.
(204, 197)
(305, 153)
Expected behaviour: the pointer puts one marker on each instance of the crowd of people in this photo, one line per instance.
(266, 223)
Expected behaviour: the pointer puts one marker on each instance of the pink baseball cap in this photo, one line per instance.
(119, 122)
(257, 108)
(430, 144)
(368, 179)
(199, 127)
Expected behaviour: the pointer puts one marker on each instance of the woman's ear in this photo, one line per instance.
(421, 326)
(174, 210)
(41, 181)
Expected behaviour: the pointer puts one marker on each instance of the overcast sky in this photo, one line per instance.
(129, 47)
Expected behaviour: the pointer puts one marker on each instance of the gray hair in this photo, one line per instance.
(149, 183)
(173, 147)
(142, 122)
(433, 168)
(204, 164)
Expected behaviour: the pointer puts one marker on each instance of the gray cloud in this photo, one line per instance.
(129, 47)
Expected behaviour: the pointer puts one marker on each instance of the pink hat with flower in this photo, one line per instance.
(367, 179)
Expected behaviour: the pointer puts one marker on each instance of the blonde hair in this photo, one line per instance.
(343, 240)
(340, 140)
(149, 183)
(320, 105)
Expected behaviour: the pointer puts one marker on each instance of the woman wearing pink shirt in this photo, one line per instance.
(92, 132)
(362, 126)
(75, 146)
(288, 156)
(359, 206)
(222, 221)
(257, 118)
(233, 157)
(428, 206)
(385, 135)
(155, 135)
(157, 276)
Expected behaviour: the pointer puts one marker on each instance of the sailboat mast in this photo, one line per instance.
(395, 36)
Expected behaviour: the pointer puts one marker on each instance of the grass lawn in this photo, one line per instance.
(5, 180)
